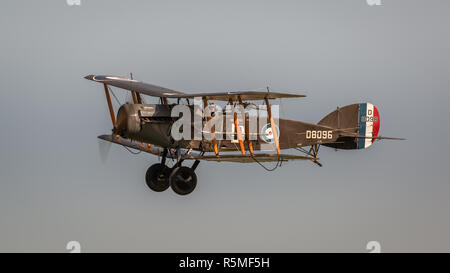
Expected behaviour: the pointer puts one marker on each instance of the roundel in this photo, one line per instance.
(267, 133)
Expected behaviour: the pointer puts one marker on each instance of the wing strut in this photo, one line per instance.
(133, 93)
(247, 133)
(135, 100)
(272, 125)
(238, 129)
(111, 110)
(136, 96)
(139, 99)
(208, 118)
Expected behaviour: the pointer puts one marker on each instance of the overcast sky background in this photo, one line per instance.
(55, 187)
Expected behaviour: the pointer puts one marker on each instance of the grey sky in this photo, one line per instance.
(54, 186)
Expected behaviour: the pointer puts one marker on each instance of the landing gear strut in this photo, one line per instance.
(181, 179)
(315, 150)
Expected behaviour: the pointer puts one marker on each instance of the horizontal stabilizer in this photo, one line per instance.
(373, 137)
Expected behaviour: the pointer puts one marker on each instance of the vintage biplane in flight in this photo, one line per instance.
(147, 127)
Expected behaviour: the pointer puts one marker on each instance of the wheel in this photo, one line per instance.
(157, 177)
(183, 180)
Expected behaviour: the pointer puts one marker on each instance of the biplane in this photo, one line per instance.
(147, 127)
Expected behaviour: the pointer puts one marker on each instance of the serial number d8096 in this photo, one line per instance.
(318, 134)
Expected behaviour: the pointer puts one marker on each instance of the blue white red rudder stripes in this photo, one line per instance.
(368, 123)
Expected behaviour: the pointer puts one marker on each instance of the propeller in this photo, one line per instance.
(103, 149)
(105, 146)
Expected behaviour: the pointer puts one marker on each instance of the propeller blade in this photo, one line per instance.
(103, 149)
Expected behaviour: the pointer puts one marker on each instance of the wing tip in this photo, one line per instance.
(105, 137)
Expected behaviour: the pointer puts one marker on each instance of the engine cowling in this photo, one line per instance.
(145, 122)
(128, 120)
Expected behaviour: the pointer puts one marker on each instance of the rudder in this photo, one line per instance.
(362, 119)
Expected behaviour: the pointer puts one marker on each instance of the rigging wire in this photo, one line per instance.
(131, 151)
(279, 162)
(301, 149)
(114, 95)
(118, 102)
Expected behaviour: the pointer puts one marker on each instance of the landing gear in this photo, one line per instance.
(312, 153)
(181, 179)
(315, 150)
(157, 177)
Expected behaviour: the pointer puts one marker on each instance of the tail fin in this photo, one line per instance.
(358, 125)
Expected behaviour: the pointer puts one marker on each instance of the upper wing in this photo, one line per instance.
(158, 91)
(244, 95)
(133, 85)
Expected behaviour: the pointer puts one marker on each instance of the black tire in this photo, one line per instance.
(157, 177)
(183, 180)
